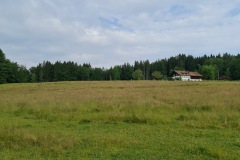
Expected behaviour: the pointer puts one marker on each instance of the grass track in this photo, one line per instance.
(120, 120)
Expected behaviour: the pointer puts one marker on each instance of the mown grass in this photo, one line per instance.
(120, 120)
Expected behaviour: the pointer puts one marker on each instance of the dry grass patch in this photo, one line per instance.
(120, 120)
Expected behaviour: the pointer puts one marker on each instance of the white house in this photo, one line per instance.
(186, 76)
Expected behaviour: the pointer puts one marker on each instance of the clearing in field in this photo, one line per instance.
(120, 120)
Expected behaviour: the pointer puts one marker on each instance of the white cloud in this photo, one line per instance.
(106, 33)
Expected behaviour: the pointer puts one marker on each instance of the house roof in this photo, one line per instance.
(186, 73)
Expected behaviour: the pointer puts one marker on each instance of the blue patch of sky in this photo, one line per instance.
(234, 12)
(112, 23)
(179, 9)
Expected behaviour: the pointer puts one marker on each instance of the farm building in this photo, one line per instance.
(186, 76)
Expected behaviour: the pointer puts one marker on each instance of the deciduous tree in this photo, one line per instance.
(138, 75)
(157, 75)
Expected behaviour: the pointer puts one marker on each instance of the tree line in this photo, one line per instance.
(212, 67)
(11, 72)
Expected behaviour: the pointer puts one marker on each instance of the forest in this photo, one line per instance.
(224, 66)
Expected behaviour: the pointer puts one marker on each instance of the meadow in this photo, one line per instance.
(120, 120)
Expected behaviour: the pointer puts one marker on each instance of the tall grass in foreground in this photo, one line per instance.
(120, 120)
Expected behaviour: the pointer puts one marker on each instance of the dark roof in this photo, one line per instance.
(224, 78)
(186, 73)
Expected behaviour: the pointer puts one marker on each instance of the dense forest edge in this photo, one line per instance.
(214, 67)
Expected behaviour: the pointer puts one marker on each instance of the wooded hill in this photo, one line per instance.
(222, 66)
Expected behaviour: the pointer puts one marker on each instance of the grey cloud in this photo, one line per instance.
(106, 33)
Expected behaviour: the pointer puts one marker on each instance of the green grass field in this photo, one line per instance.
(120, 120)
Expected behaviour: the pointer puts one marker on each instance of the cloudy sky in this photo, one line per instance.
(110, 32)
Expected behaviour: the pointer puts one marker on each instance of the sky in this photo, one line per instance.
(106, 33)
